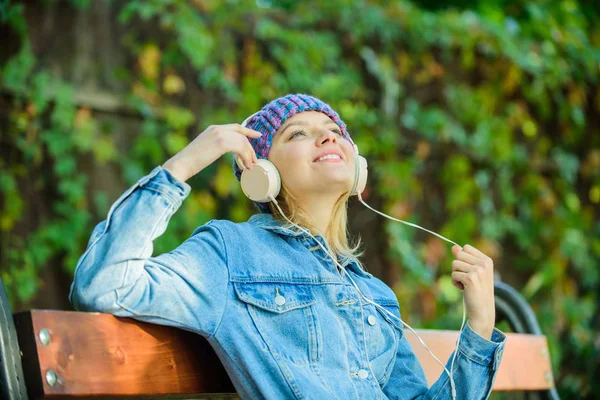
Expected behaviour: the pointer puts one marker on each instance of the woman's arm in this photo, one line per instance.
(186, 287)
(475, 369)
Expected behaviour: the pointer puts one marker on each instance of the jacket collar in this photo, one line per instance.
(268, 222)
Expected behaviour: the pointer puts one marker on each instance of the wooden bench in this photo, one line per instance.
(63, 354)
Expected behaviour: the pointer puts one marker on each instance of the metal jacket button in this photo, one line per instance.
(372, 320)
(279, 300)
(362, 373)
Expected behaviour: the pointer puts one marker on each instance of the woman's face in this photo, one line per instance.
(297, 150)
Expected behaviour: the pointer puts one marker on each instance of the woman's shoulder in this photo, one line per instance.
(231, 229)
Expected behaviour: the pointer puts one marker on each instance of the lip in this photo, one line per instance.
(329, 152)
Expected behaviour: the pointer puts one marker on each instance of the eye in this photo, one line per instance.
(293, 135)
(337, 131)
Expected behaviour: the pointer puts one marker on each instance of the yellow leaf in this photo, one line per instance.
(201, 201)
(104, 150)
(175, 141)
(591, 163)
(83, 115)
(31, 109)
(572, 201)
(529, 128)
(489, 247)
(140, 91)
(149, 61)
(423, 149)
(533, 285)
(434, 69)
(577, 96)
(422, 77)
(224, 181)
(239, 212)
(405, 64)
(512, 80)
(595, 194)
(173, 84)
(6, 223)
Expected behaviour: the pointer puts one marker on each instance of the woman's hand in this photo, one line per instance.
(208, 146)
(473, 271)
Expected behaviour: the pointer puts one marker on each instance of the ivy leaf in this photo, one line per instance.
(225, 182)
(17, 70)
(178, 118)
(175, 142)
(104, 150)
(568, 164)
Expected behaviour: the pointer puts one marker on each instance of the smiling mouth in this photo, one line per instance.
(329, 158)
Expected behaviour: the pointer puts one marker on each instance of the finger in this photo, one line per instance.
(251, 154)
(245, 158)
(248, 159)
(251, 150)
(242, 150)
(239, 161)
(458, 285)
(248, 132)
(468, 258)
(472, 250)
(461, 277)
(455, 249)
(462, 266)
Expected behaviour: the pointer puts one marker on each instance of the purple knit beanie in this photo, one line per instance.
(268, 120)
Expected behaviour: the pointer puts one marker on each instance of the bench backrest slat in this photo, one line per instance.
(525, 363)
(99, 354)
(95, 354)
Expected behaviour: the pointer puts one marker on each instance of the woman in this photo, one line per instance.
(282, 317)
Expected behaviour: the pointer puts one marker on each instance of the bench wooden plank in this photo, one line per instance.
(95, 354)
(99, 354)
(525, 363)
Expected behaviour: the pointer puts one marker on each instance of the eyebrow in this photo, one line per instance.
(304, 123)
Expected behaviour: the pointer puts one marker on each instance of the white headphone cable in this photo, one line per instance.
(307, 231)
(464, 318)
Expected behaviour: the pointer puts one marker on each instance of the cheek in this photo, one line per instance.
(294, 165)
(347, 147)
(295, 155)
(349, 153)
(288, 159)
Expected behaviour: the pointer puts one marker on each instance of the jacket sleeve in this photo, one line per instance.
(474, 373)
(116, 274)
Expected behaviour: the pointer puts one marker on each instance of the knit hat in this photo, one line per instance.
(268, 120)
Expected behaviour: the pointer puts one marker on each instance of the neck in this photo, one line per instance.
(321, 210)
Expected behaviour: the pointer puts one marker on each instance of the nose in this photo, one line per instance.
(326, 136)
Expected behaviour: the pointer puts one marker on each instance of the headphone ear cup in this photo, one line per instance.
(363, 173)
(261, 182)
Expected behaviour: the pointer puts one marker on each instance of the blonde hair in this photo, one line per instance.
(336, 235)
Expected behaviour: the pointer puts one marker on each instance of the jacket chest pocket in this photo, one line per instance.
(285, 316)
(383, 333)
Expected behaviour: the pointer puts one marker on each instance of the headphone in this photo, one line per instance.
(262, 183)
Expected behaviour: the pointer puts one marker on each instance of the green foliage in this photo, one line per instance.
(480, 123)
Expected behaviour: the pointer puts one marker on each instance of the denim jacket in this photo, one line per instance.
(281, 318)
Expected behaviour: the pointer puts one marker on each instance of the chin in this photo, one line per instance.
(339, 185)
